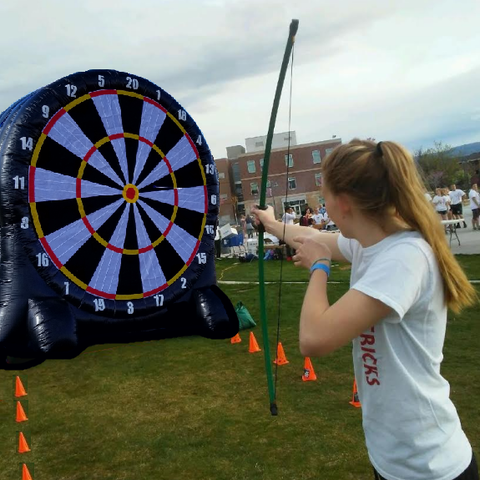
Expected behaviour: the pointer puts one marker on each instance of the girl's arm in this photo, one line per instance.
(324, 327)
(287, 233)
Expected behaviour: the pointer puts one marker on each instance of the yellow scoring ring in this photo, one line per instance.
(130, 193)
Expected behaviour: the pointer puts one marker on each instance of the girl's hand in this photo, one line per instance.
(309, 250)
(263, 216)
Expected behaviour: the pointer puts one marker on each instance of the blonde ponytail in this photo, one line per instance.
(405, 181)
(382, 178)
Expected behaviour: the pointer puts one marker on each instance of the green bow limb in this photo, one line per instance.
(262, 205)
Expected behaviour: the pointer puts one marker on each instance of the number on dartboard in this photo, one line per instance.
(182, 115)
(159, 300)
(24, 223)
(71, 90)
(42, 260)
(67, 287)
(199, 140)
(202, 258)
(101, 81)
(19, 182)
(213, 199)
(184, 282)
(99, 304)
(159, 94)
(27, 143)
(45, 111)
(132, 83)
(209, 229)
(130, 308)
(210, 169)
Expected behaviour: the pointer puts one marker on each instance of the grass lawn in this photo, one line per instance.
(195, 409)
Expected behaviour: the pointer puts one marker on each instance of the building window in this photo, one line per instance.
(261, 163)
(251, 166)
(318, 179)
(254, 188)
(221, 175)
(259, 144)
(289, 160)
(316, 156)
(292, 184)
(328, 151)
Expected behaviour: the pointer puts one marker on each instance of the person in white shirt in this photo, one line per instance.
(317, 216)
(428, 197)
(289, 216)
(404, 278)
(440, 203)
(474, 198)
(448, 202)
(456, 197)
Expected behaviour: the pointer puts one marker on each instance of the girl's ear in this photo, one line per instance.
(344, 203)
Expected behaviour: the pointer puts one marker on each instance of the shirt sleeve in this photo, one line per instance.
(396, 278)
(345, 246)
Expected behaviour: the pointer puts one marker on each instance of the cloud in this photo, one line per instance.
(401, 69)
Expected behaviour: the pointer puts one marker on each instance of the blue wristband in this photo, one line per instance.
(320, 266)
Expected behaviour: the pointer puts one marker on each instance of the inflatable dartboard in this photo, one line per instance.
(108, 211)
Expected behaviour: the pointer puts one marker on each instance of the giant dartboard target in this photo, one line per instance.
(112, 190)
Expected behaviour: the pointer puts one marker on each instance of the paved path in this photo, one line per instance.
(469, 238)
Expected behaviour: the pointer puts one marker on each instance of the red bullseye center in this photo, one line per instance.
(130, 193)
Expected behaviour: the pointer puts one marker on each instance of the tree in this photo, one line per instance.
(439, 167)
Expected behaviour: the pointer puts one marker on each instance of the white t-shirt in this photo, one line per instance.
(412, 428)
(288, 218)
(440, 203)
(456, 196)
(329, 222)
(471, 195)
(318, 217)
(428, 196)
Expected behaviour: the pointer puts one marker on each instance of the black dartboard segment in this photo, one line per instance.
(117, 193)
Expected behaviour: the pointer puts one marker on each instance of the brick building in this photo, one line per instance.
(240, 178)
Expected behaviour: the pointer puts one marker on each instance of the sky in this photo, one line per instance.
(403, 70)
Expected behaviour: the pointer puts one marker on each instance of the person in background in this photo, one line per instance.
(474, 198)
(456, 197)
(289, 216)
(306, 219)
(317, 217)
(404, 278)
(243, 226)
(289, 219)
(428, 197)
(440, 203)
(249, 226)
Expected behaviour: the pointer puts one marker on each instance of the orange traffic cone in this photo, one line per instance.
(253, 347)
(25, 473)
(280, 359)
(355, 401)
(236, 339)
(22, 444)
(19, 390)
(308, 371)
(21, 417)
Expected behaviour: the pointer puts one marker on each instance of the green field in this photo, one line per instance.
(194, 409)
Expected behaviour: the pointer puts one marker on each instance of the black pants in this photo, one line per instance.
(471, 473)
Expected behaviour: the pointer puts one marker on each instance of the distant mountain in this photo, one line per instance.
(467, 149)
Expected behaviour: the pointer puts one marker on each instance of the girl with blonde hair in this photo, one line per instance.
(403, 279)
